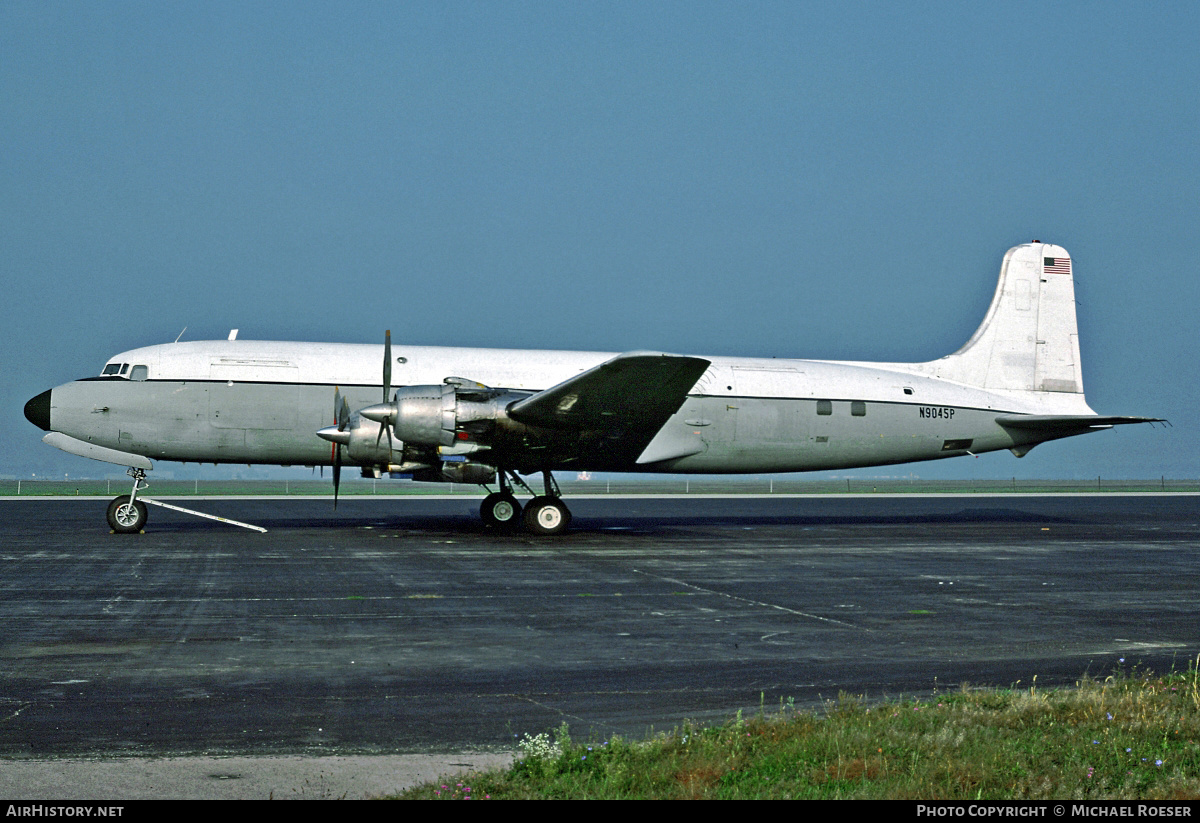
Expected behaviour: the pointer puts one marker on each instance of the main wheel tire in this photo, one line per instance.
(125, 518)
(500, 510)
(546, 516)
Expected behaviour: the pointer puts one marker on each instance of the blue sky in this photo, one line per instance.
(830, 180)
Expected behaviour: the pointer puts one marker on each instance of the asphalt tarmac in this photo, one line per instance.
(401, 627)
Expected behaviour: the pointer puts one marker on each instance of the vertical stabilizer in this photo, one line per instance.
(1029, 340)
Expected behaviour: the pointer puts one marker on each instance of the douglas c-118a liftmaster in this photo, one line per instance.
(488, 416)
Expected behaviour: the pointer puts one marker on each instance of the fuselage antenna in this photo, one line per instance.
(181, 334)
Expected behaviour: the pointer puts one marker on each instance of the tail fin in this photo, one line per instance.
(1029, 340)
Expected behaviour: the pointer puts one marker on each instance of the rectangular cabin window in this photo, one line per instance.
(824, 407)
(956, 445)
(858, 408)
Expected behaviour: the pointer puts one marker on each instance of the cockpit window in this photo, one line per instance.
(113, 369)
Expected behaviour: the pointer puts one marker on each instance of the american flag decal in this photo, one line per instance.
(1056, 265)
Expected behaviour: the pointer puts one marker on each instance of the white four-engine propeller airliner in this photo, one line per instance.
(488, 416)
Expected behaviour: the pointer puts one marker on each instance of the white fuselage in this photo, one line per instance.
(262, 402)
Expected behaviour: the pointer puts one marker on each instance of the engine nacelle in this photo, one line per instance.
(431, 415)
(363, 441)
(425, 415)
(364, 445)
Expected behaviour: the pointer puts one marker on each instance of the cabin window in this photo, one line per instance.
(139, 373)
(824, 407)
(956, 445)
(907, 390)
(858, 408)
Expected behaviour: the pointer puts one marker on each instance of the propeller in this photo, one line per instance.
(386, 420)
(387, 365)
(383, 413)
(338, 436)
(341, 416)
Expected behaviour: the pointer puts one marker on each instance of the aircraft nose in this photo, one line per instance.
(37, 410)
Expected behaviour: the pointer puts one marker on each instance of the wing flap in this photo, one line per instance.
(672, 445)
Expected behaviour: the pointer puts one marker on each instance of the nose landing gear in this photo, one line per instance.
(127, 514)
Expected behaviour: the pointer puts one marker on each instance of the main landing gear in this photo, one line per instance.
(545, 514)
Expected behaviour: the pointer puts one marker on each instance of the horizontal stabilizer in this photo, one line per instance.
(1064, 424)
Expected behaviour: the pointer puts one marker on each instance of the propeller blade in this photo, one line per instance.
(385, 423)
(337, 473)
(341, 417)
(337, 396)
(384, 426)
(387, 366)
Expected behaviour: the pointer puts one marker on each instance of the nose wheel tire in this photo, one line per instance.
(501, 510)
(546, 515)
(125, 517)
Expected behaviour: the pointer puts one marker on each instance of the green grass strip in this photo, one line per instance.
(1134, 735)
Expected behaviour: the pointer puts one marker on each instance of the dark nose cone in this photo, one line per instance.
(37, 410)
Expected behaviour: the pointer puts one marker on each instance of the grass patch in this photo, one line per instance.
(1133, 735)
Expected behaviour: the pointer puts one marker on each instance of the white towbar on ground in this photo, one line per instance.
(231, 522)
(127, 513)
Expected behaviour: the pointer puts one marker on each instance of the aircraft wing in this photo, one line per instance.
(1066, 424)
(618, 406)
